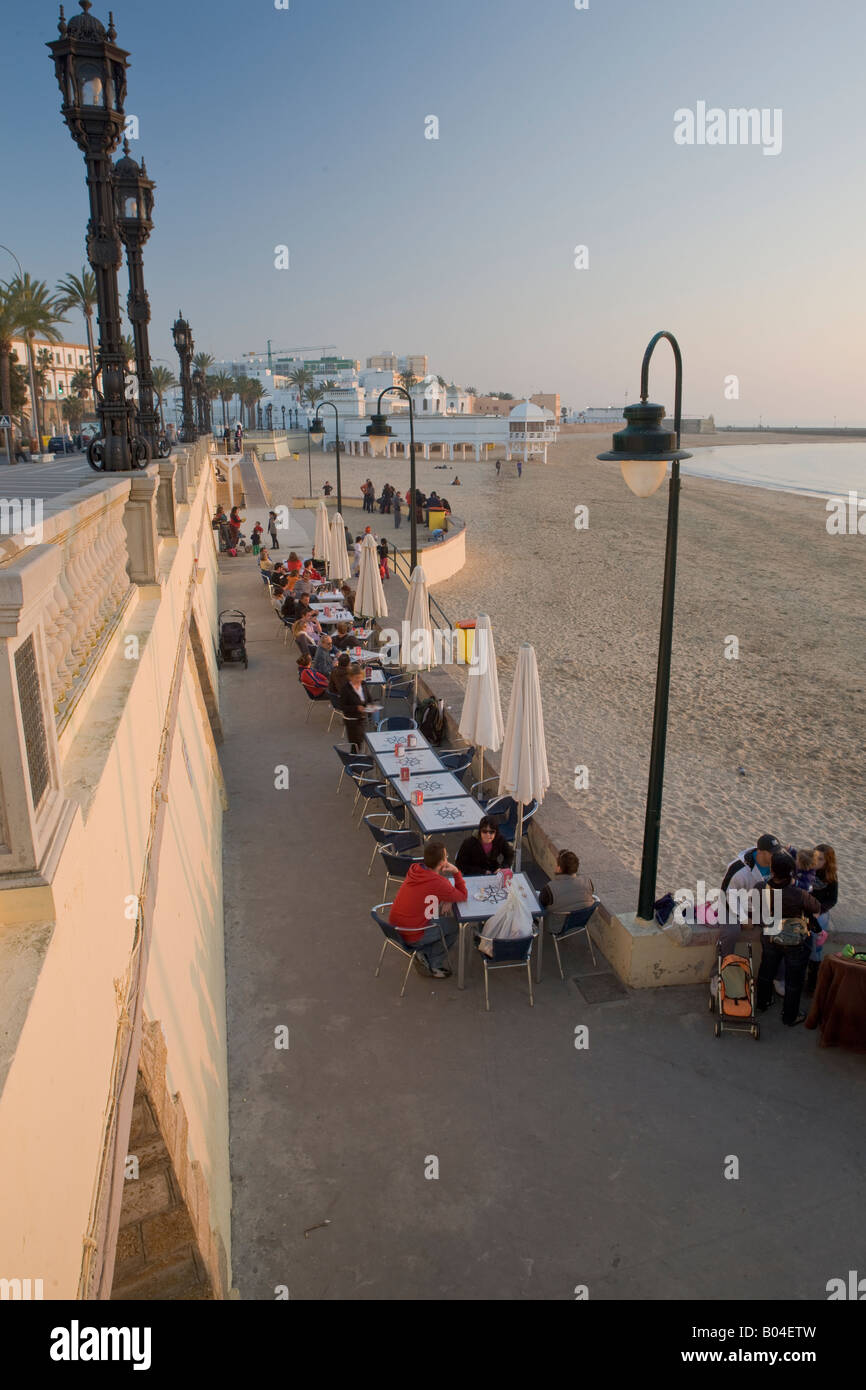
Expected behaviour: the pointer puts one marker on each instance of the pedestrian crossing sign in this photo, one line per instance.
(5, 422)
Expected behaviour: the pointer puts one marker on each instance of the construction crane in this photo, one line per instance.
(289, 352)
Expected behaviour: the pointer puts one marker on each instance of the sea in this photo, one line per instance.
(819, 469)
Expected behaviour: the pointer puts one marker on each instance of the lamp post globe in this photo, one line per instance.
(184, 345)
(378, 435)
(317, 430)
(91, 74)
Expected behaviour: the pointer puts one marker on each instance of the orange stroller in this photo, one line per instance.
(734, 1000)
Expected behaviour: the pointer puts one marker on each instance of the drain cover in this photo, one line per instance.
(600, 989)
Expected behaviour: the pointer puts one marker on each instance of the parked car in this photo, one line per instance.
(60, 444)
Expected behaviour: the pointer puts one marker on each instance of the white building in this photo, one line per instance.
(531, 428)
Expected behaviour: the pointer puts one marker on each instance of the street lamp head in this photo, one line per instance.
(644, 448)
(378, 434)
(317, 430)
(180, 331)
(91, 74)
(133, 197)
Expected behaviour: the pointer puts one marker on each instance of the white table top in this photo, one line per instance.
(436, 786)
(419, 760)
(384, 743)
(337, 615)
(474, 911)
(376, 677)
(327, 596)
(457, 813)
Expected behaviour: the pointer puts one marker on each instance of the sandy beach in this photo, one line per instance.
(754, 564)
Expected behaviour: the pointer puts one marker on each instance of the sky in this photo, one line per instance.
(304, 127)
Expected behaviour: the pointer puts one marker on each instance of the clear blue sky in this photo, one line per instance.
(306, 127)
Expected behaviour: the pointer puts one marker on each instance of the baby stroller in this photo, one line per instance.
(233, 637)
(734, 1000)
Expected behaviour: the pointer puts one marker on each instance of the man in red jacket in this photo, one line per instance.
(417, 906)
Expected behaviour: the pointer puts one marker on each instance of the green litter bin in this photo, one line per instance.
(465, 642)
(437, 519)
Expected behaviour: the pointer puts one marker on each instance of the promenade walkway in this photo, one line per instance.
(557, 1167)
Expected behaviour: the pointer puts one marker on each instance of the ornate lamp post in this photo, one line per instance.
(283, 409)
(378, 438)
(133, 204)
(316, 432)
(180, 331)
(269, 409)
(643, 450)
(91, 74)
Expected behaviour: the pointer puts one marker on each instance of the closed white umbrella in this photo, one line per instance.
(339, 567)
(523, 774)
(370, 599)
(481, 719)
(322, 541)
(419, 652)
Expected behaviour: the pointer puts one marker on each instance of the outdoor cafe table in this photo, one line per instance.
(443, 817)
(327, 596)
(473, 913)
(375, 678)
(436, 786)
(384, 743)
(336, 615)
(419, 760)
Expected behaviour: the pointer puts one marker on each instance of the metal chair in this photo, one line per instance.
(393, 938)
(320, 699)
(347, 757)
(506, 806)
(509, 953)
(335, 709)
(401, 841)
(453, 757)
(396, 721)
(397, 865)
(371, 788)
(573, 923)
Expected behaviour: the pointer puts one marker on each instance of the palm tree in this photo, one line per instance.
(44, 363)
(163, 379)
(73, 411)
(408, 379)
(225, 387)
(256, 393)
(314, 394)
(330, 385)
(302, 379)
(127, 345)
(37, 313)
(79, 292)
(8, 329)
(203, 360)
(80, 382)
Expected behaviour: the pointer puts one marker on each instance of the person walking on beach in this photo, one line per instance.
(397, 504)
(498, 467)
(272, 530)
(327, 489)
(520, 468)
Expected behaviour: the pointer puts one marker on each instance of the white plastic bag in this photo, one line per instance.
(511, 919)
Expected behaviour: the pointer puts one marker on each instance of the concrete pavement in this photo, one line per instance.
(558, 1165)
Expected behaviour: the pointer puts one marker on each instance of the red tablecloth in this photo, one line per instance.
(839, 1005)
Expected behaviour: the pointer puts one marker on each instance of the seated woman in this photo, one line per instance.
(348, 597)
(569, 890)
(293, 564)
(265, 561)
(303, 638)
(315, 684)
(485, 852)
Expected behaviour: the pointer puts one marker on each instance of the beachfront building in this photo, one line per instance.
(416, 363)
(531, 428)
(60, 366)
(496, 405)
(450, 436)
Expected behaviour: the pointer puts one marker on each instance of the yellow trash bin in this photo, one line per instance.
(437, 518)
(465, 642)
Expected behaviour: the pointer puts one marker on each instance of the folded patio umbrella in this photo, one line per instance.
(322, 541)
(338, 567)
(370, 599)
(481, 718)
(419, 652)
(523, 774)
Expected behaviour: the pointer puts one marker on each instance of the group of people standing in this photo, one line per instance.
(234, 436)
(392, 502)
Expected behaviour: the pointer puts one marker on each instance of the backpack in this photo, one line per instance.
(793, 931)
(431, 719)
